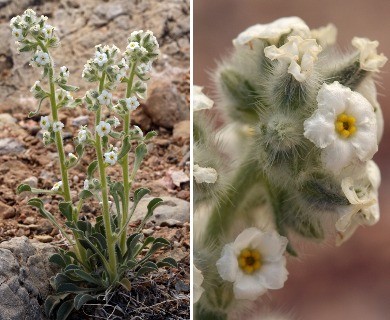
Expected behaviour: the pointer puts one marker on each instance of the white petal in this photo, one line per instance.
(198, 280)
(227, 265)
(274, 274)
(373, 174)
(271, 246)
(369, 59)
(205, 175)
(248, 287)
(338, 155)
(273, 31)
(295, 70)
(246, 239)
(326, 36)
(200, 100)
(319, 128)
(333, 97)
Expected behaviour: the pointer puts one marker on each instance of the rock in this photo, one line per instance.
(24, 278)
(179, 177)
(10, 146)
(165, 104)
(181, 130)
(80, 121)
(44, 238)
(171, 223)
(106, 12)
(31, 181)
(6, 212)
(7, 118)
(44, 226)
(147, 232)
(68, 148)
(30, 220)
(171, 209)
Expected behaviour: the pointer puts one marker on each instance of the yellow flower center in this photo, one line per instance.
(249, 260)
(345, 125)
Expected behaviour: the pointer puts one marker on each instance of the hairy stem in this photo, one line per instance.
(125, 163)
(104, 189)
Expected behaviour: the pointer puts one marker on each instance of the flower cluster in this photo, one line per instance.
(302, 126)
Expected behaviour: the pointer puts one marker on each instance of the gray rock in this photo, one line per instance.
(172, 212)
(80, 121)
(10, 146)
(181, 130)
(6, 212)
(106, 12)
(24, 278)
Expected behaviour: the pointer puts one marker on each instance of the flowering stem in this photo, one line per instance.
(103, 180)
(125, 163)
(59, 142)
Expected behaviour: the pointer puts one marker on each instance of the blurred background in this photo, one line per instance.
(325, 282)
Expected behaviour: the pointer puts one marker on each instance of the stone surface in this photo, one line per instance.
(181, 130)
(6, 211)
(10, 146)
(165, 104)
(80, 121)
(24, 278)
(31, 181)
(171, 212)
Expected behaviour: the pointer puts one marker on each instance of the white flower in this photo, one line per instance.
(299, 53)
(72, 157)
(367, 89)
(110, 157)
(45, 123)
(17, 33)
(86, 184)
(103, 128)
(254, 262)
(144, 68)
(42, 58)
(325, 36)
(48, 31)
(100, 58)
(362, 193)
(57, 186)
(138, 131)
(132, 103)
(57, 126)
(34, 87)
(132, 46)
(273, 31)
(369, 58)
(200, 100)
(64, 71)
(344, 126)
(205, 175)
(143, 50)
(82, 135)
(105, 97)
(198, 280)
(116, 122)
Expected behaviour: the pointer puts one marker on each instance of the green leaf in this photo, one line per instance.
(33, 113)
(68, 87)
(66, 209)
(140, 153)
(52, 301)
(139, 194)
(80, 150)
(115, 135)
(58, 259)
(125, 283)
(85, 194)
(82, 299)
(87, 277)
(146, 268)
(153, 204)
(23, 187)
(167, 262)
(92, 168)
(126, 146)
(65, 309)
(131, 244)
(150, 135)
(35, 202)
(71, 288)
(104, 141)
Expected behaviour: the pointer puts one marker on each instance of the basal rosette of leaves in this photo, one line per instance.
(103, 255)
(302, 123)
